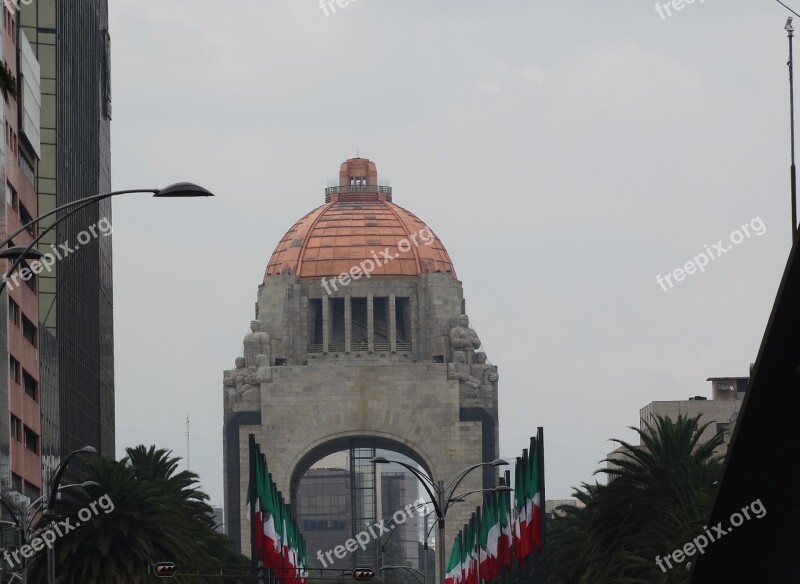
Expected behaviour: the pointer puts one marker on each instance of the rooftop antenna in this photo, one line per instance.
(188, 462)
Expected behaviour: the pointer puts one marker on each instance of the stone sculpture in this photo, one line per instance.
(256, 343)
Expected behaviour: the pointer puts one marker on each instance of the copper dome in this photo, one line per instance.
(359, 222)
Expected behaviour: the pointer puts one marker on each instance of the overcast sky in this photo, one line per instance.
(566, 153)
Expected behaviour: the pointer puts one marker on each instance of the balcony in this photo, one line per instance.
(352, 192)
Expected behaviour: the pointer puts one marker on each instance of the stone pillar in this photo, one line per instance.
(326, 323)
(392, 323)
(348, 323)
(370, 325)
(412, 309)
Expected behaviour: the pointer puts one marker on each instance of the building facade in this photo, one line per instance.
(359, 342)
(20, 392)
(72, 42)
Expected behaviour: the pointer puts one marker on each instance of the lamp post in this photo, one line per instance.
(23, 518)
(176, 190)
(441, 494)
(53, 489)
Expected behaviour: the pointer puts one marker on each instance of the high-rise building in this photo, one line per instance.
(72, 43)
(20, 395)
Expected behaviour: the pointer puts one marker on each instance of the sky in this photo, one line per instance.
(566, 154)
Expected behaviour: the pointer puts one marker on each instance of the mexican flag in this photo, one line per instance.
(533, 498)
(490, 537)
(504, 541)
(453, 573)
(272, 544)
(255, 499)
(521, 532)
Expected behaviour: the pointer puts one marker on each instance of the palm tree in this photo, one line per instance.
(152, 513)
(655, 501)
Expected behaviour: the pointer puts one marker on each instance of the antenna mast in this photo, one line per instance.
(188, 463)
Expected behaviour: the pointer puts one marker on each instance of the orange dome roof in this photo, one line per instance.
(358, 223)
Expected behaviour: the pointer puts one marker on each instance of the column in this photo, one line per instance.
(348, 323)
(392, 323)
(326, 323)
(370, 325)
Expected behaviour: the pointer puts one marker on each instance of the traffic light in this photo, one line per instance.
(361, 574)
(164, 569)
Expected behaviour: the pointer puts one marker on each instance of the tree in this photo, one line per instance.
(655, 501)
(151, 513)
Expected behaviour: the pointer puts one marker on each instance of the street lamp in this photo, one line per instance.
(441, 494)
(23, 518)
(51, 499)
(176, 190)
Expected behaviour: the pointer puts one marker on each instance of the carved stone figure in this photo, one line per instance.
(263, 369)
(234, 379)
(485, 373)
(459, 369)
(463, 338)
(256, 342)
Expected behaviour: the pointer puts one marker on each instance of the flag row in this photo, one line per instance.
(275, 538)
(503, 526)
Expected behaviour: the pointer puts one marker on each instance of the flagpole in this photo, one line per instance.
(507, 476)
(252, 491)
(540, 446)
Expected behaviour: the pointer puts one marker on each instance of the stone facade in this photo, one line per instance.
(341, 369)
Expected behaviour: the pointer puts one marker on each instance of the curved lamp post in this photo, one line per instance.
(441, 494)
(176, 190)
(23, 517)
(51, 499)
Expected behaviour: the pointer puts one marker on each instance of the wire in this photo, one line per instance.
(787, 8)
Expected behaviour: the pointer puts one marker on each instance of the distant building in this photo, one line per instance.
(324, 513)
(720, 412)
(551, 506)
(219, 519)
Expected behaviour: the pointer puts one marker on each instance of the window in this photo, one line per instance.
(31, 439)
(25, 217)
(29, 330)
(13, 311)
(16, 428)
(13, 369)
(11, 196)
(16, 482)
(31, 491)
(30, 385)
(31, 282)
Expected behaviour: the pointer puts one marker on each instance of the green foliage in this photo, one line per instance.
(655, 501)
(158, 514)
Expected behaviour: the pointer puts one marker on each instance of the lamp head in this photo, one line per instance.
(499, 462)
(18, 251)
(789, 28)
(379, 460)
(183, 189)
(88, 449)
